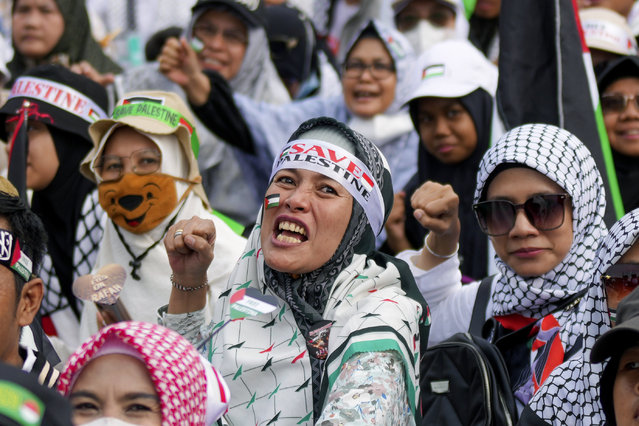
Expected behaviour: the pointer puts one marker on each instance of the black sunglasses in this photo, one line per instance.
(544, 211)
(621, 279)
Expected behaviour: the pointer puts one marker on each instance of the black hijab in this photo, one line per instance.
(482, 32)
(473, 244)
(59, 205)
(626, 167)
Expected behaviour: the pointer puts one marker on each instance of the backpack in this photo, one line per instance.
(464, 379)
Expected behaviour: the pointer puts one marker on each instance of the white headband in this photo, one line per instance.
(58, 95)
(341, 166)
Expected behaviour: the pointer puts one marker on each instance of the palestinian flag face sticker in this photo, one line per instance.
(272, 200)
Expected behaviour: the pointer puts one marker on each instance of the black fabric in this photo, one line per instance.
(613, 70)
(627, 169)
(59, 206)
(478, 318)
(473, 243)
(19, 145)
(76, 44)
(606, 385)
(482, 32)
(41, 369)
(251, 17)
(42, 342)
(57, 410)
(221, 116)
(529, 418)
(464, 381)
(531, 88)
(292, 42)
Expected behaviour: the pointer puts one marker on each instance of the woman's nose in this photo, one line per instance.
(216, 41)
(441, 126)
(298, 200)
(523, 227)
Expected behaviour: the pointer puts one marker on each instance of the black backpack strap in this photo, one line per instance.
(478, 317)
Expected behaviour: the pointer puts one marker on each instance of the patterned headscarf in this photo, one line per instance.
(570, 395)
(560, 156)
(189, 389)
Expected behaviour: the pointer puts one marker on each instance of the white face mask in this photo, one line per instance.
(109, 421)
(424, 35)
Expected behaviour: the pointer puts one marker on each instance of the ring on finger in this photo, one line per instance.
(178, 232)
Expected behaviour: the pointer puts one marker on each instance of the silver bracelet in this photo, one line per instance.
(182, 288)
(447, 256)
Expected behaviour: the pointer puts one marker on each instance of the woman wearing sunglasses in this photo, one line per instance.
(539, 197)
(618, 84)
(571, 395)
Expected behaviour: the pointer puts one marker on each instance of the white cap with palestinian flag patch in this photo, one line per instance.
(452, 69)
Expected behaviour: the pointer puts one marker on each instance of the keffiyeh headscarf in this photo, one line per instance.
(358, 293)
(571, 394)
(190, 390)
(560, 156)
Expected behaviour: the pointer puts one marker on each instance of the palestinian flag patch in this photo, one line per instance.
(272, 200)
(433, 71)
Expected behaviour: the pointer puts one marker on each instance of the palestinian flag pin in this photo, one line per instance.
(250, 302)
(272, 200)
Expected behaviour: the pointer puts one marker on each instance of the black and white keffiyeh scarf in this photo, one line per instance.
(571, 393)
(560, 156)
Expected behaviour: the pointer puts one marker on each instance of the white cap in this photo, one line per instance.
(452, 69)
(605, 29)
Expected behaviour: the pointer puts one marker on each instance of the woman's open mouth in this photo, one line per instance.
(362, 95)
(290, 232)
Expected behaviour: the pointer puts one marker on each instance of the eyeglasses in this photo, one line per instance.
(206, 32)
(617, 102)
(143, 162)
(378, 70)
(621, 279)
(544, 211)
